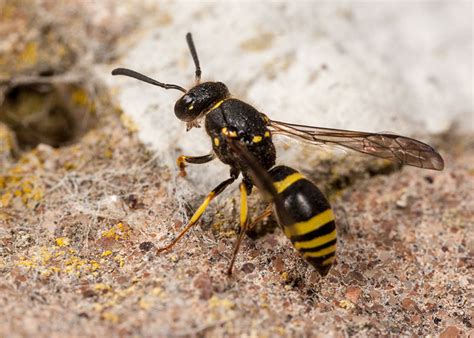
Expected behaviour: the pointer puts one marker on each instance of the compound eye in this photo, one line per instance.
(184, 108)
(188, 99)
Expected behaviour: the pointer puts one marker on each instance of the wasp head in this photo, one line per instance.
(199, 100)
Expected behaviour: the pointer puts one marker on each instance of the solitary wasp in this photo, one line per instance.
(241, 137)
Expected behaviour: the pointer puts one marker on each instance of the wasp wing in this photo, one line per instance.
(398, 148)
(260, 178)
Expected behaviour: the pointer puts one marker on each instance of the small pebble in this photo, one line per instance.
(408, 304)
(87, 293)
(248, 267)
(146, 246)
(203, 282)
(450, 332)
(353, 293)
(278, 264)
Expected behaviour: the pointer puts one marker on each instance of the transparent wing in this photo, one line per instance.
(260, 178)
(398, 148)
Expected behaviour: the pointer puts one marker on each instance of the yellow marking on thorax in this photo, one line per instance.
(267, 134)
(322, 252)
(217, 105)
(318, 241)
(257, 138)
(282, 185)
(228, 133)
(216, 141)
(314, 223)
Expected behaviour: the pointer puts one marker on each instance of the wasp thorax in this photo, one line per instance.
(199, 100)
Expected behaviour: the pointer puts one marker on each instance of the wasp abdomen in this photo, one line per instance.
(312, 229)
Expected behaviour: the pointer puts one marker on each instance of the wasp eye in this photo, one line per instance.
(188, 99)
(184, 108)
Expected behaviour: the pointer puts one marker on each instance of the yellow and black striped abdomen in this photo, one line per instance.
(312, 229)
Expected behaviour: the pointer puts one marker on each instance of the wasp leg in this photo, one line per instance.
(244, 220)
(244, 226)
(199, 212)
(181, 161)
(267, 212)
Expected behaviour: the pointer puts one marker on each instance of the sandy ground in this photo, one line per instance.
(77, 253)
(79, 224)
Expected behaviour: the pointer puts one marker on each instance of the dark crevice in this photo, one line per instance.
(53, 114)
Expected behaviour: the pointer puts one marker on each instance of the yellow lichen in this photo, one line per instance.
(158, 292)
(144, 304)
(94, 266)
(26, 263)
(50, 271)
(108, 153)
(7, 141)
(106, 253)
(69, 166)
(215, 302)
(102, 287)
(128, 123)
(45, 254)
(6, 199)
(346, 304)
(281, 330)
(62, 241)
(120, 260)
(111, 317)
(80, 97)
(8, 11)
(29, 55)
(55, 259)
(17, 185)
(117, 232)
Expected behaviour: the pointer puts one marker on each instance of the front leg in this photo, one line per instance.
(182, 160)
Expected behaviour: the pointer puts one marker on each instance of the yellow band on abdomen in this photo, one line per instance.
(287, 181)
(318, 241)
(321, 253)
(314, 223)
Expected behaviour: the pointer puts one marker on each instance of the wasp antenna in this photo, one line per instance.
(192, 49)
(144, 78)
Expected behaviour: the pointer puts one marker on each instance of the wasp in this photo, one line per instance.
(242, 138)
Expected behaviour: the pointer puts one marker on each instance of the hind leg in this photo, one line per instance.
(244, 223)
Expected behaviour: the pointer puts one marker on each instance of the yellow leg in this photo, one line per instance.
(199, 212)
(244, 226)
(244, 220)
(183, 159)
